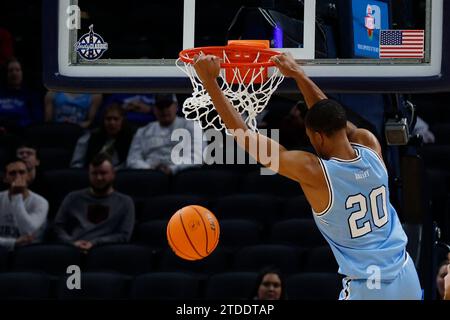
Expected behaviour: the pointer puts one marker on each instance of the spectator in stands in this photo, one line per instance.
(97, 215)
(113, 138)
(422, 128)
(152, 145)
(30, 155)
(72, 108)
(447, 284)
(19, 106)
(270, 285)
(138, 107)
(440, 279)
(23, 213)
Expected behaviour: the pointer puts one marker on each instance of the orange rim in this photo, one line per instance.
(188, 55)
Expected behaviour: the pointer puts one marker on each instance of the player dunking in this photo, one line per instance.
(346, 186)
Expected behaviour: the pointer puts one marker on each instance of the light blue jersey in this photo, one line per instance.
(360, 224)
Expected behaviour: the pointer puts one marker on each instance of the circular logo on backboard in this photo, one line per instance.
(91, 46)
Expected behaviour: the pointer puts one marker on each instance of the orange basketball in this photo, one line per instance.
(193, 232)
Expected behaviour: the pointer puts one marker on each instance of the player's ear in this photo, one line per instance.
(319, 138)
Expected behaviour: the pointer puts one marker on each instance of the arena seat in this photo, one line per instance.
(320, 259)
(3, 157)
(142, 183)
(277, 185)
(152, 233)
(206, 182)
(4, 257)
(217, 261)
(54, 158)
(257, 207)
(24, 286)
(54, 135)
(165, 286)
(237, 233)
(95, 286)
(253, 258)
(230, 286)
(163, 207)
(3, 185)
(298, 232)
(124, 258)
(59, 183)
(297, 208)
(50, 258)
(313, 286)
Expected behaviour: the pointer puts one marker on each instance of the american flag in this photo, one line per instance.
(402, 44)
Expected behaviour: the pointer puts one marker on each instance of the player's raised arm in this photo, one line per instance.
(313, 95)
(290, 68)
(296, 165)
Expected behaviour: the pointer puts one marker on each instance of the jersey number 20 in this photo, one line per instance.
(363, 202)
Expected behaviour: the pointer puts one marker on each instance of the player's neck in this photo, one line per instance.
(342, 149)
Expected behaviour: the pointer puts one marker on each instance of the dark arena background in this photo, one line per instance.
(57, 105)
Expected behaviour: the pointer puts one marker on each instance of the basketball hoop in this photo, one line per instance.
(244, 79)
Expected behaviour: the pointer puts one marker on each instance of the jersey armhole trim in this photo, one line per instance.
(374, 152)
(358, 157)
(330, 191)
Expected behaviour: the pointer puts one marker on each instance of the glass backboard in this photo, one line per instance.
(345, 45)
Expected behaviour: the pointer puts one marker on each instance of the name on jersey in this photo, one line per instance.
(362, 175)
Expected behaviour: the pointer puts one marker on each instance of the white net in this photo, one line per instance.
(249, 91)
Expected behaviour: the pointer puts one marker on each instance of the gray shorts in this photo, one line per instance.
(405, 286)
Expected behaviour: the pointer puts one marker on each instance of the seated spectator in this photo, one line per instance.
(422, 128)
(113, 138)
(138, 107)
(96, 215)
(19, 106)
(440, 279)
(269, 285)
(447, 284)
(30, 155)
(72, 108)
(23, 213)
(152, 145)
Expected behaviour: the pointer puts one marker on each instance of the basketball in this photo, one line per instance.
(193, 232)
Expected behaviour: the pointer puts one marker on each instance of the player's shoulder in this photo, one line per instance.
(363, 147)
(367, 139)
(304, 158)
(306, 165)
